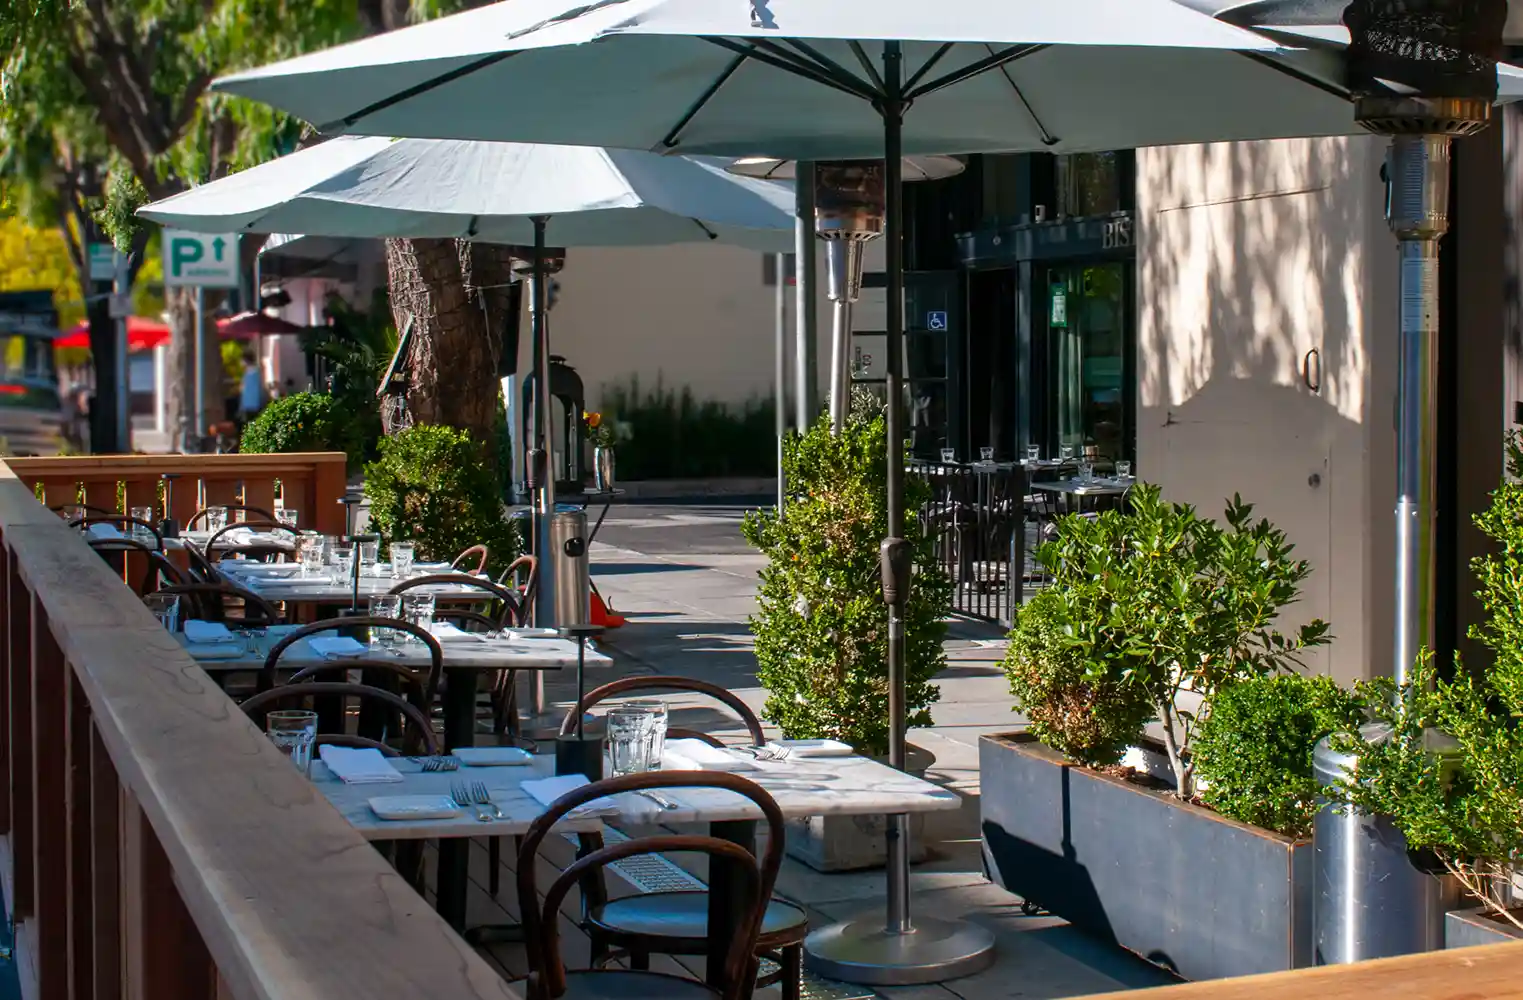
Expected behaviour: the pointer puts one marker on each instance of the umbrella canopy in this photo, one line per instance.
(796, 79)
(142, 334)
(248, 325)
(357, 186)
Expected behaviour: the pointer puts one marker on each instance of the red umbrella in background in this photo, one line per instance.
(248, 325)
(142, 334)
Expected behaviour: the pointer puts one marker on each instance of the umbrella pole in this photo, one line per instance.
(869, 950)
(542, 474)
(806, 292)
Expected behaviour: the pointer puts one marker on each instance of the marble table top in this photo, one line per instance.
(841, 786)
(484, 654)
(290, 586)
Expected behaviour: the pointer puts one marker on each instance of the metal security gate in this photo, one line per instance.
(977, 517)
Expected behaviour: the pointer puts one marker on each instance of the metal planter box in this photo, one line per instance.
(1181, 886)
(1468, 928)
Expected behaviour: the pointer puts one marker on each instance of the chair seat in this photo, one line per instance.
(622, 984)
(681, 919)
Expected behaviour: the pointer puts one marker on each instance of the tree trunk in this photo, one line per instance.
(457, 297)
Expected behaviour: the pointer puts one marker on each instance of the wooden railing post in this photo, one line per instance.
(166, 958)
(50, 745)
(19, 684)
(80, 829)
(105, 871)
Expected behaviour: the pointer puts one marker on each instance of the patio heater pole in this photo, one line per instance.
(806, 331)
(843, 256)
(543, 472)
(898, 951)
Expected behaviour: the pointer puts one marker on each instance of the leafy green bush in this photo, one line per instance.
(1253, 753)
(1091, 719)
(302, 421)
(357, 346)
(1444, 759)
(822, 628)
(1156, 600)
(431, 486)
(664, 434)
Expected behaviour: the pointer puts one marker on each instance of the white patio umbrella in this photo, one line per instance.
(814, 80)
(494, 192)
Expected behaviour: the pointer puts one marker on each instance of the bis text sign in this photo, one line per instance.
(209, 260)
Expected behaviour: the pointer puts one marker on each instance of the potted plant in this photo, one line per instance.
(1461, 806)
(1153, 614)
(821, 626)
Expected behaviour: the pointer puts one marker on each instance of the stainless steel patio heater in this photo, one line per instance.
(847, 216)
(1425, 72)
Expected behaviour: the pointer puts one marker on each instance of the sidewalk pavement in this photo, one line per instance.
(687, 612)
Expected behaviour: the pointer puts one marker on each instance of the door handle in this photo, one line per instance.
(1311, 370)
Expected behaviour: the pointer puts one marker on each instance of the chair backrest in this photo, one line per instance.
(509, 578)
(419, 730)
(491, 591)
(64, 508)
(200, 515)
(130, 527)
(625, 685)
(157, 569)
(230, 548)
(209, 601)
(430, 688)
(480, 553)
(541, 929)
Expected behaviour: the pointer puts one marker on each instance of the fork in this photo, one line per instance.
(481, 797)
(770, 751)
(462, 796)
(428, 765)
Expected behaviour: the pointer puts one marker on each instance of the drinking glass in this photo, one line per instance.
(1123, 470)
(1033, 453)
(144, 514)
(1086, 472)
(419, 610)
(343, 558)
(71, 514)
(294, 731)
(310, 549)
(401, 560)
(986, 454)
(629, 737)
(287, 517)
(948, 456)
(216, 519)
(657, 710)
(370, 554)
(166, 608)
(1066, 453)
(385, 606)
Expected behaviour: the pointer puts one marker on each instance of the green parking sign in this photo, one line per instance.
(208, 260)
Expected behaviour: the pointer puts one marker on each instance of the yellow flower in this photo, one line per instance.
(593, 419)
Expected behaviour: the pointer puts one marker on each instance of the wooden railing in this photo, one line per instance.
(155, 844)
(310, 483)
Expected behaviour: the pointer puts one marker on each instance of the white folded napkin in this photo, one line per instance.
(336, 646)
(197, 632)
(356, 766)
(696, 755)
(447, 632)
(103, 531)
(547, 790)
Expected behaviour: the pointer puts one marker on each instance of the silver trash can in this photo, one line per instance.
(1369, 900)
(568, 555)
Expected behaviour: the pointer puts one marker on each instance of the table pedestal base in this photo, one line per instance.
(864, 951)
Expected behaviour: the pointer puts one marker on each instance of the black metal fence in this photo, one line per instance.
(978, 517)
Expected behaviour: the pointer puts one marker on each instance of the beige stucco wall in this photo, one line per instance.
(1251, 256)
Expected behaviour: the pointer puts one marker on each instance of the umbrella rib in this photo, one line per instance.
(816, 63)
(867, 64)
(787, 64)
(971, 70)
(670, 139)
(417, 90)
(1048, 139)
(926, 68)
(1299, 74)
(706, 230)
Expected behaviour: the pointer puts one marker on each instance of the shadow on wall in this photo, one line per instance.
(1260, 268)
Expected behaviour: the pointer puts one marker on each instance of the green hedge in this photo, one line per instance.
(669, 434)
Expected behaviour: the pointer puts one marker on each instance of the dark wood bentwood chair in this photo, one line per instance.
(548, 979)
(676, 923)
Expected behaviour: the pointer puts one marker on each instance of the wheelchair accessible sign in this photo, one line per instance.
(936, 321)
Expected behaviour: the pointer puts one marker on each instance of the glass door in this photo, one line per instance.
(1089, 332)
